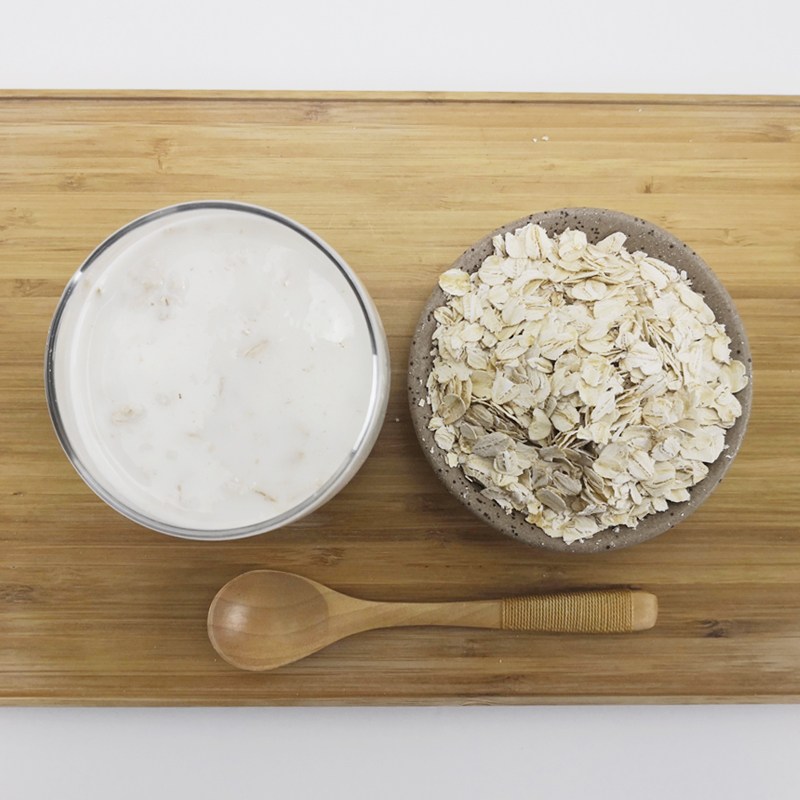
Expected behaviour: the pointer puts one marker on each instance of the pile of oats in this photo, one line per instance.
(580, 384)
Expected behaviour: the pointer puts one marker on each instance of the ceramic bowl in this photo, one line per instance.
(596, 223)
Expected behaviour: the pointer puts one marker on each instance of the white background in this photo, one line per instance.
(680, 46)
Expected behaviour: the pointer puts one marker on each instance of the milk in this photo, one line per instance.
(215, 369)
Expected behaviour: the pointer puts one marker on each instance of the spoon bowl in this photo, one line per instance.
(264, 619)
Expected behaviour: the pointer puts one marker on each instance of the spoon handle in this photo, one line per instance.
(602, 611)
(599, 611)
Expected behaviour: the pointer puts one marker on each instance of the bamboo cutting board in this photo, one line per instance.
(96, 610)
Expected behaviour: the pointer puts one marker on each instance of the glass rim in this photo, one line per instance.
(373, 418)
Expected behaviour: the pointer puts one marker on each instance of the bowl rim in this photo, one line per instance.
(376, 410)
(596, 223)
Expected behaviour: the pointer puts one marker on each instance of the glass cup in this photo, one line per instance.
(224, 297)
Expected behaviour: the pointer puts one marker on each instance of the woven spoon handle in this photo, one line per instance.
(604, 611)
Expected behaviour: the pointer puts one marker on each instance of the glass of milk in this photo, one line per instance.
(215, 370)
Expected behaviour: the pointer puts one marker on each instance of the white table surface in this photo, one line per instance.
(658, 752)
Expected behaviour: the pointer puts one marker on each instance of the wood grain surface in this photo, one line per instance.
(96, 610)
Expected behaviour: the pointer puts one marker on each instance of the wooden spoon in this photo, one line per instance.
(265, 619)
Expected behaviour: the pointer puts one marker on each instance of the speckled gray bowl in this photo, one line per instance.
(596, 223)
